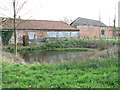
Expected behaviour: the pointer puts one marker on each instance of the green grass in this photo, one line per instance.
(77, 74)
(64, 45)
(71, 49)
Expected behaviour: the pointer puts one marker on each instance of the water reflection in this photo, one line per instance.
(49, 56)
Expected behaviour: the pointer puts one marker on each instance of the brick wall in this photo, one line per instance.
(93, 31)
(39, 34)
(20, 34)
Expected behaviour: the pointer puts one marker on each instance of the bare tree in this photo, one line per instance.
(22, 8)
(66, 20)
(16, 9)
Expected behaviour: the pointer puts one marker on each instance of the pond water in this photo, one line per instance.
(49, 56)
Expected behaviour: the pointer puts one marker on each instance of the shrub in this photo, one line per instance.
(47, 41)
(58, 38)
(102, 44)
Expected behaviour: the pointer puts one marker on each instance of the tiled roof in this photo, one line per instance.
(83, 21)
(112, 27)
(38, 24)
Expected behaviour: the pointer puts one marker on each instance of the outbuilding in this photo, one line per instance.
(41, 30)
(91, 28)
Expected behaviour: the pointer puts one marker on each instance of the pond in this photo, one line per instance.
(50, 56)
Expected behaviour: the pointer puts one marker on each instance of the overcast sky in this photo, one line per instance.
(58, 9)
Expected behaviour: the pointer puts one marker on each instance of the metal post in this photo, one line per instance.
(99, 33)
(114, 32)
(99, 25)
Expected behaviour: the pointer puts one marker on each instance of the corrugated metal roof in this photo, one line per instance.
(83, 21)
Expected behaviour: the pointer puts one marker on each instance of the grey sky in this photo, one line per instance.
(57, 9)
(119, 14)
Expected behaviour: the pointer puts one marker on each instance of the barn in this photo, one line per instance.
(41, 30)
(91, 28)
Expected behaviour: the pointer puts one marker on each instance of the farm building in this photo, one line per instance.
(91, 28)
(39, 30)
(118, 31)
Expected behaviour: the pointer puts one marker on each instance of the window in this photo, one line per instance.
(74, 34)
(67, 34)
(62, 34)
(51, 34)
(31, 35)
(102, 32)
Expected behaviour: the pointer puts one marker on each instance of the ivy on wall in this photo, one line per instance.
(6, 36)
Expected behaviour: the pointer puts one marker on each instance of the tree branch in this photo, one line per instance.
(20, 7)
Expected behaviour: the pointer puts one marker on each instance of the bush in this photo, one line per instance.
(102, 44)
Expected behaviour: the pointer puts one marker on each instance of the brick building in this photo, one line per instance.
(91, 28)
(40, 29)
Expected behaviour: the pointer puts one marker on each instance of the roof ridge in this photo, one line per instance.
(82, 21)
(89, 19)
(32, 19)
(68, 24)
(41, 20)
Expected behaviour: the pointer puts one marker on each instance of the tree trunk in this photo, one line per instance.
(15, 36)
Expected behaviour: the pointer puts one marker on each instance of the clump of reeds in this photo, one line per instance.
(9, 57)
(99, 54)
(104, 54)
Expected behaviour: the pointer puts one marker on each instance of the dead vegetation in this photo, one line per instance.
(9, 57)
(89, 55)
(107, 53)
(100, 54)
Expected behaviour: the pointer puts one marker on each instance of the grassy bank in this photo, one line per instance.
(66, 45)
(97, 69)
(79, 74)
